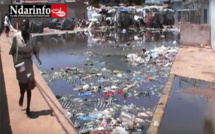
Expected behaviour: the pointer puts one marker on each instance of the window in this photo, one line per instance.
(205, 16)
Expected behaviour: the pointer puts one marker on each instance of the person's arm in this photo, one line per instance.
(13, 47)
(14, 30)
(36, 53)
(36, 50)
(37, 57)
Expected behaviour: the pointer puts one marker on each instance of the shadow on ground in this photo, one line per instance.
(36, 114)
(4, 115)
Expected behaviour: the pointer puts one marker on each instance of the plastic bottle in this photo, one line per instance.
(125, 93)
(86, 87)
(95, 114)
(88, 93)
(126, 117)
(85, 118)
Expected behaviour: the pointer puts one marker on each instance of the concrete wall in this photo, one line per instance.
(212, 20)
(194, 34)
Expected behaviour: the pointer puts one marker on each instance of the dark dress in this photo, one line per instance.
(22, 57)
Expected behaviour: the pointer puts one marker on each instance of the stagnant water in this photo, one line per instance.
(60, 51)
(188, 113)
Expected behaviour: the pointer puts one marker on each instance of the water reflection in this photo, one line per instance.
(62, 51)
(97, 38)
(208, 127)
(64, 47)
(195, 110)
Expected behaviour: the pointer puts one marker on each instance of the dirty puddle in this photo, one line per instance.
(189, 110)
(102, 83)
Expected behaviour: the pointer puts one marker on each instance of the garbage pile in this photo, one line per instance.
(112, 101)
(161, 56)
(113, 118)
(124, 17)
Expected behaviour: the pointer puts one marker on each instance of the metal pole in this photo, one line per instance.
(212, 20)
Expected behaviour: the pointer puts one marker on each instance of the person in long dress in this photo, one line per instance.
(22, 50)
(7, 24)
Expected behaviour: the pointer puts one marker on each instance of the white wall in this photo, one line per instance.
(212, 20)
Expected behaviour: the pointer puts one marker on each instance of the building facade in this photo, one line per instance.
(202, 9)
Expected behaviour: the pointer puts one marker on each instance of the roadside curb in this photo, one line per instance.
(162, 103)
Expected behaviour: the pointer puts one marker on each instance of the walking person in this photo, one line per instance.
(22, 50)
(7, 24)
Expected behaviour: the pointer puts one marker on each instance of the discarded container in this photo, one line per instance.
(119, 130)
(126, 117)
(86, 87)
(142, 115)
(88, 93)
(85, 118)
(106, 114)
(95, 114)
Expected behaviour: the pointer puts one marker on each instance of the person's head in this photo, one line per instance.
(25, 26)
(5, 14)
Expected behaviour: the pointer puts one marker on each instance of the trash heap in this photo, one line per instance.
(160, 56)
(112, 101)
(113, 117)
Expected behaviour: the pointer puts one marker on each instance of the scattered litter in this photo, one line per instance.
(111, 100)
(156, 123)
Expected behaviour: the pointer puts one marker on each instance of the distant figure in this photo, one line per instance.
(83, 15)
(7, 24)
(22, 50)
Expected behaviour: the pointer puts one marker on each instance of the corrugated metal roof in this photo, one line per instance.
(176, 0)
(152, 1)
(34, 1)
(160, 1)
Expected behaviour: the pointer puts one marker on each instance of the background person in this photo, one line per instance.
(7, 24)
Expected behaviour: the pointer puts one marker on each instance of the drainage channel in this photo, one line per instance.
(75, 62)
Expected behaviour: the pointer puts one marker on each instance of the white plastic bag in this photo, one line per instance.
(20, 67)
(119, 130)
